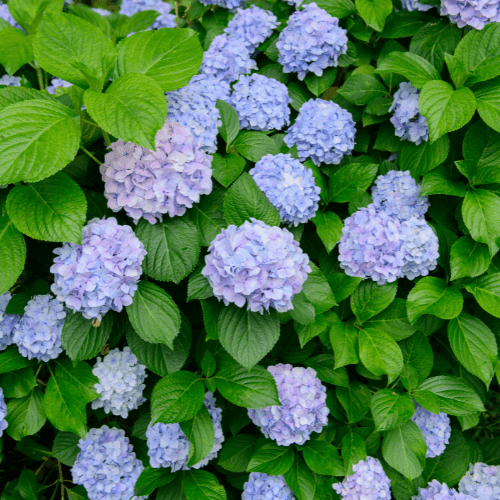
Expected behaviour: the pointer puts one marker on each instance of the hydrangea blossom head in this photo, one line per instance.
(7, 16)
(411, 5)
(168, 446)
(289, 186)
(311, 42)
(38, 333)
(164, 20)
(252, 26)
(481, 481)
(435, 428)
(7, 322)
(407, 120)
(210, 87)
(437, 491)
(368, 482)
(3, 413)
(227, 58)
(57, 82)
(264, 487)
(10, 81)
(106, 465)
(102, 12)
(231, 5)
(101, 273)
(261, 103)
(397, 193)
(303, 407)
(121, 382)
(256, 264)
(323, 131)
(473, 13)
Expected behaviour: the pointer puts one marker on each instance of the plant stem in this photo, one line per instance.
(61, 479)
(40, 77)
(177, 13)
(106, 138)
(88, 153)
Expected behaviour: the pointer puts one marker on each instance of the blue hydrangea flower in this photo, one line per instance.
(210, 87)
(7, 16)
(106, 465)
(164, 20)
(257, 264)
(168, 446)
(101, 273)
(397, 193)
(312, 41)
(261, 103)
(368, 482)
(252, 26)
(57, 82)
(303, 407)
(7, 322)
(407, 120)
(411, 5)
(102, 12)
(473, 13)
(264, 487)
(10, 81)
(289, 186)
(294, 3)
(3, 413)
(482, 482)
(323, 131)
(38, 333)
(148, 183)
(121, 382)
(437, 491)
(227, 58)
(435, 428)
(226, 4)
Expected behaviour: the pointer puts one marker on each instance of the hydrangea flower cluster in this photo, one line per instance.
(411, 5)
(481, 481)
(57, 82)
(226, 4)
(312, 41)
(407, 120)
(106, 465)
(7, 322)
(38, 333)
(252, 26)
(474, 13)
(227, 58)
(261, 103)
(258, 264)
(289, 186)
(435, 428)
(10, 81)
(3, 413)
(7, 16)
(102, 12)
(323, 131)
(368, 482)
(211, 87)
(303, 407)
(437, 491)
(264, 487)
(121, 382)
(168, 446)
(164, 20)
(101, 273)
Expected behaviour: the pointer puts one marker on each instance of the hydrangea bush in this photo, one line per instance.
(249, 250)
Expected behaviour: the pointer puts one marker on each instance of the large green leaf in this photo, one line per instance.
(488, 102)
(425, 157)
(152, 478)
(65, 447)
(355, 400)
(254, 145)
(272, 459)
(15, 49)
(390, 409)
(226, 169)
(374, 12)
(336, 8)
(200, 432)
(237, 452)
(468, 258)
(344, 184)
(345, 342)
(323, 458)
(486, 291)
(80, 375)
(25, 416)
(12, 253)
(301, 481)
(393, 321)
(28, 13)
(201, 485)
(361, 89)
(353, 450)
(370, 298)
(329, 227)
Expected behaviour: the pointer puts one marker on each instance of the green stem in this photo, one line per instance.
(177, 13)
(106, 138)
(54, 493)
(89, 154)
(40, 77)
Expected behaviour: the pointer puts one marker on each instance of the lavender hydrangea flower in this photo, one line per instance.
(411, 5)
(102, 12)
(397, 193)
(252, 26)
(481, 481)
(227, 58)
(148, 183)
(164, 20)
(101, 273)
(473, 13)
(435, 428)
(168, 446)
(3, 413)
(303, 407)
(368, 482)
(7, 322)
(312, 41)
(121, 382)
(289, 186)
(226, 4)
(258, 264)
(106, 465)
(55, 83)
(7, 16)
(38, 333)
(210, 87)
(407, 120)
(323, 131)
(10, 81)
(264, 487)
(437, 491)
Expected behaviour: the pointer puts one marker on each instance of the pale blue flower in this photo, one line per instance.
(472, 13)
(437, 491)
(435, 428)
(482, 482)
(7, 322)
(164, 20)
(264, 487)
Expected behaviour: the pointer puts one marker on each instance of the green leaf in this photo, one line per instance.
(11, 359)
(170, 57)
(226, 169)
(80, 375)
(440, 181)
(301, 480)
(19, 383)
(254, 145)
(323, 458)
(323, 364)
(65, 448)
(201, 485)
(393, 321)
(355, 400)
(25, 416)
(344, 340)
(15, 49)
(154, 315)
(28, 13)
(39, 138)
(318, 84)
(361, 89)
(299, 94)
(445, 109)
(12, 95)
(390, 409)
(418, 356)
(237, 452)
(432, 296)
(486, 291)
(405, 24)
(12, 253)
(198, 286)
(28, 485)
(425, 157)
(374, 12)
(140, 21)
(244, 200)
(310, 331)
(32, 449)
(272, 459)
(346, 181)
(317, 291)
(150, 479)
(468, 258)
(94, 18)
(336, 8)
(230, 122)
(201, 435)
(488, 102)
(353, 450)
(369, 299)
(456, 69)
(77, 493)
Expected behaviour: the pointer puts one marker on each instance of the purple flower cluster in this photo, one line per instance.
(211, 87)
(7, 322)
(289, 186)
(435, 428)
(368, 482)
(437, 491)
(106, 465)
(55, 83)
(164, 20)
(312, 41)
(303, 407)
(226, 4)
(264, 487)
(407, 120)
(38, 333)
(252, 26)
(473, 13)
(258, 264)
(482, 482)
(121, 382)
(411, 5)
(10, 81)
(101, 273)
(323, 131)
(3, 413)
(261, 103)
(168, 446)
(7, 16)
(150, 183)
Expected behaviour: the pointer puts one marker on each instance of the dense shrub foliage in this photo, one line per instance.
(250, 250)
